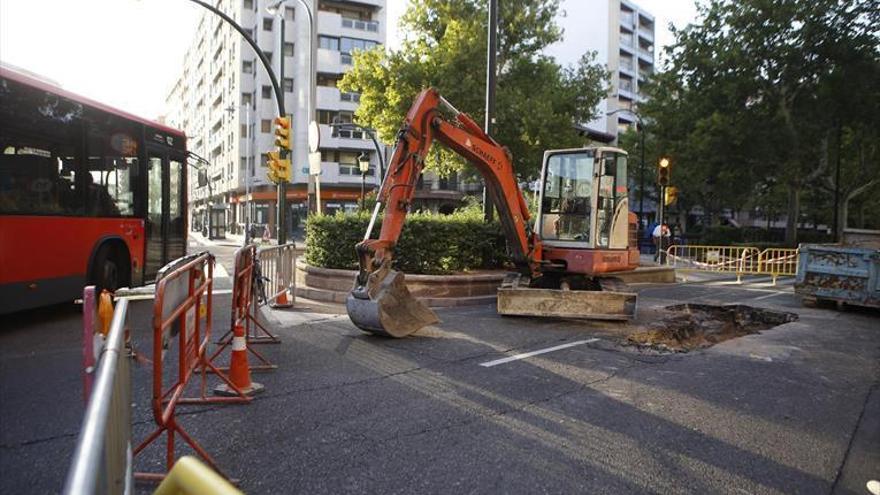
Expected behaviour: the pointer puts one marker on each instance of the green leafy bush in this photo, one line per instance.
(429, 243)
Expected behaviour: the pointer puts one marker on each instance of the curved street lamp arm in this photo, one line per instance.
(267, 64)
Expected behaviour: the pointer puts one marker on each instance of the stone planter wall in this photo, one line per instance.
(332, 285)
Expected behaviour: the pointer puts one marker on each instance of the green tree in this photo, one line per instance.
(444, 46)
(755, 91)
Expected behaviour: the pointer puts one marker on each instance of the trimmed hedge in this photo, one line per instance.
(429, 244)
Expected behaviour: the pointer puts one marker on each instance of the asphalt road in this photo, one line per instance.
(790, 410)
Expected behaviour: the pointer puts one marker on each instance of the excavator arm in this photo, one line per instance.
(380, 302)
(426, 122)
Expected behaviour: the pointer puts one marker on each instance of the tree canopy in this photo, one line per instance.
(764, 95)
(537, 100)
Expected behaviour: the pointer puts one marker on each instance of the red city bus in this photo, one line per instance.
(88, 194)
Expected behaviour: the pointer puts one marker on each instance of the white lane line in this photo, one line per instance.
(220, 272)
(535, 353)
(769, 296)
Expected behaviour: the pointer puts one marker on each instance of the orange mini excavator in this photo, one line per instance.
(583, 233)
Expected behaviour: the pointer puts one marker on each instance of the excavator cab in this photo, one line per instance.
(583, 209)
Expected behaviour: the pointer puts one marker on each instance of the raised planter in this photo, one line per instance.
(332, 285)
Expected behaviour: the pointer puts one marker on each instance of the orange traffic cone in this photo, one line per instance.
(281, 301)
(239, 370)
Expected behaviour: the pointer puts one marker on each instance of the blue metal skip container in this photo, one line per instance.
(839, 273)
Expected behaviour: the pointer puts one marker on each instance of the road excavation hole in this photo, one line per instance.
(684, 327)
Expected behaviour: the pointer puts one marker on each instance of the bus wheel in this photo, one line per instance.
(107, 271)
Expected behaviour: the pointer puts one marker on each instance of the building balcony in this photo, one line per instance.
(345, 139)
(646, 34)
(333, 99)
(627, 68)
(329, 61)
(646, 56)
(333, 24)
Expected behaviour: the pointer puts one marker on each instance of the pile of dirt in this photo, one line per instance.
(684, 327)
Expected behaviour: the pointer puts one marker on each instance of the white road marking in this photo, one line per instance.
(220, 272)
(768, 296)
(535, 353)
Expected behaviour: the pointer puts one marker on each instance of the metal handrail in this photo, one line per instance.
(102, 459)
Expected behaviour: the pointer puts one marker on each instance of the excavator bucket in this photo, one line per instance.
(587, 304)
(386, 307)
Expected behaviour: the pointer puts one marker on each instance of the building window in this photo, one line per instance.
(249, 4)
(266, 126)
(247, 66)
(289, 13)
(328, 80)
(288, 85)
(243, 130)
(268, 54)
(250, 32)
(264, 160)
(288, 49)
(267, 92)
(247, 98)
(328, 43)
(267, 23)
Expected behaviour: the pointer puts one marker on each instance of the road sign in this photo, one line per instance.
(315, 163)
(314, 137)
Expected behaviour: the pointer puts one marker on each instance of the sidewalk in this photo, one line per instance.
(236, 240)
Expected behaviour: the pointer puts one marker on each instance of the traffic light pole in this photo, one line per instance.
(661, 213)
(281, 217)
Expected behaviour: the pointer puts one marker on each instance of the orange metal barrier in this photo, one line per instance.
(182, 311)
(244, 308)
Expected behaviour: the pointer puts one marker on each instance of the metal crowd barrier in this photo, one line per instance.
(182, 311)
(739, 260)
(277, 265)
(244, 309)
(102, 461)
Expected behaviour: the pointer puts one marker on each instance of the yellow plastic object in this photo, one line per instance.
(191, 477)
(105, 312)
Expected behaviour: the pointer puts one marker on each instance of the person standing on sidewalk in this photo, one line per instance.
(661, 236)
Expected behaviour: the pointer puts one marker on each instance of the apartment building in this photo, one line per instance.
(622, 35)
(224, 101)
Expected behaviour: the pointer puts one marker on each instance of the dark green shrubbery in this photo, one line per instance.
(430, 243)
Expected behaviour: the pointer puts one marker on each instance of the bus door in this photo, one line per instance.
(164, 225)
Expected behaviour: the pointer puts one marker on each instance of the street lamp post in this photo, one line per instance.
(247, 172)
(364, 165)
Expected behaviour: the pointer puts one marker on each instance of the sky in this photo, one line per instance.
(128, 53)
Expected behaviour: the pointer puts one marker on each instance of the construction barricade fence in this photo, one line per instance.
(738, 260)
(244, 315)
(276, 276)
(102, 459)
(181, 332)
